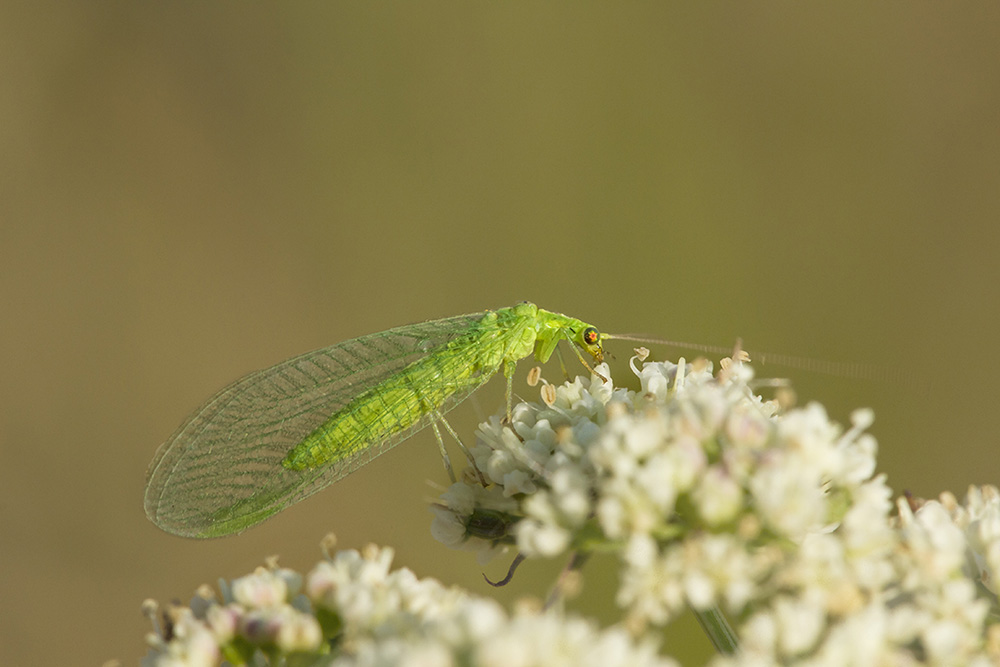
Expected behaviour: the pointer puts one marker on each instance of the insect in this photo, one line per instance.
(283, 433)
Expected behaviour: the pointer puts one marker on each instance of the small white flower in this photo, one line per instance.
(298, 632)
(718, 497)
(788, 495)
(261, 589)
(223, 621)
(800, 623)
(535, 538)
(192, 645)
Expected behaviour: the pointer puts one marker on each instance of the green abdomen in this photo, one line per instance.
(386, 409)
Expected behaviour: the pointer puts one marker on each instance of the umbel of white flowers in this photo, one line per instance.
(351, 609)
(712, 498)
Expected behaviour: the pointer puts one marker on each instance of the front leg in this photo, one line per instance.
(508, 371)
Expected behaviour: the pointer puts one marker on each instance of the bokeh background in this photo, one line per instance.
(192, 191)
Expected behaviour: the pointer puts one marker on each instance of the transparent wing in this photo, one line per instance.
(221, 471)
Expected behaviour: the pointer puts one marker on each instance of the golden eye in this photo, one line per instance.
(591, 335)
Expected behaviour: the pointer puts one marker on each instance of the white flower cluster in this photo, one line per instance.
(260, 614)
(712, 498)
(715, 499)
(352, 610)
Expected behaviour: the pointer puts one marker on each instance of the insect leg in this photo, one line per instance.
(508, 372)
(562, 364)
(461, 445)
(585, 364)
(444, 452)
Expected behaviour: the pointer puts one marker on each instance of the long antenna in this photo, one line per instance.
(845, 369)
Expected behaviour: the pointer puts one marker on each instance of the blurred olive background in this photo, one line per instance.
(192, 191)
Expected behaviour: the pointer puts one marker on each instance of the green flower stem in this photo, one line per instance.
(718, 630)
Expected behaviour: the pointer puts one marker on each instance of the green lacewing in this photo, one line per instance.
(278, 435)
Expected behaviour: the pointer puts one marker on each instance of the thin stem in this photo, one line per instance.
(718, 630)
(558, 592)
